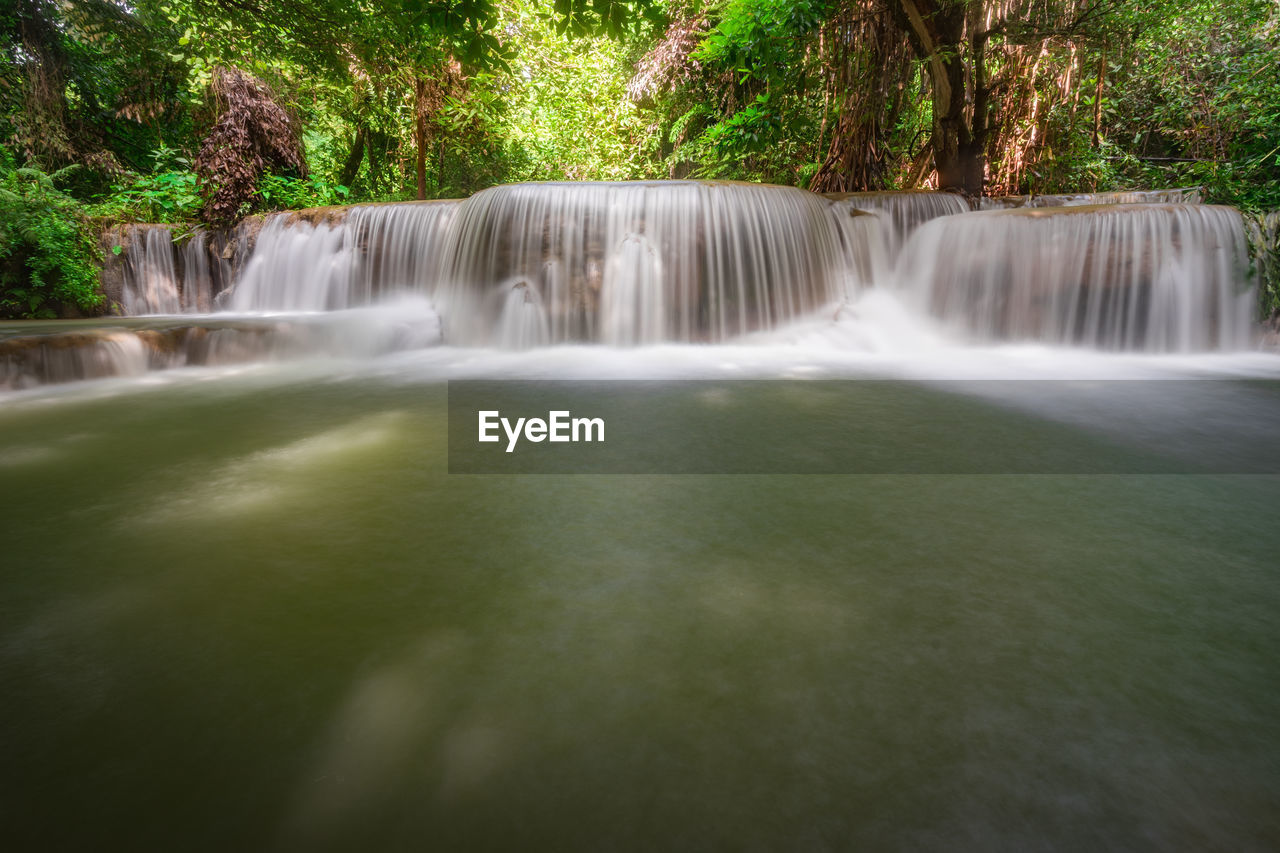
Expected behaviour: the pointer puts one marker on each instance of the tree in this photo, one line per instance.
(253, 133)
(955, 39)
(85, 83)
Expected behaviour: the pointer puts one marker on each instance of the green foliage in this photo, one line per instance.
(283, 192)
(567, 115)
(615, 19)
(1203, 105)
(749, 114)
(1190, 94)
(750, 143)
(90, 83)
(161, 197)
(763, 39)
(48, 258)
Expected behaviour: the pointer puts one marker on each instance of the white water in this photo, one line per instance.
(900, 212)
(875, 337)
(203, 269)
(625, 263)
(1156, 278)
(364, 254)
(151, 273)
(632, 304)
(75, 350)
(162, 275)
(783, 281)
(523, 322)
(641, 262)
(106, 353)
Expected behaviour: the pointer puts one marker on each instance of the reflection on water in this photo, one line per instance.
(269, 480)
(375, 736)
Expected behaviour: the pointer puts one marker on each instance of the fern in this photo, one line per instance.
(48, 257)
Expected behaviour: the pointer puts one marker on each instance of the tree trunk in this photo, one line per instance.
(975, 166)
(1097, 96)
(936, 31)
(420, 133)
(352, 166)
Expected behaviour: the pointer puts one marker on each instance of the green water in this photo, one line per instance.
(251, 616)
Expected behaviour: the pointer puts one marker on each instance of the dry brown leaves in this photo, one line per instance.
(252, 133)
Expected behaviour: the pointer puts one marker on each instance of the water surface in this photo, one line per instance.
(254, 612)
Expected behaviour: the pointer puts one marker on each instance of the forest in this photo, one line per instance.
(206, 111)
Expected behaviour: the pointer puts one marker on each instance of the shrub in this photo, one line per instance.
(48, 257)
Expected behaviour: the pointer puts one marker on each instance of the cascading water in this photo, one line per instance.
(625, 263)
(64, 351)
(28, 361)
(346, 259)
(151, 273)
(901, 212)
(163, 275)
(865, 241)
(631, 263)
(1159, 278)
(204, 272)
(631, 306)
(523, 321)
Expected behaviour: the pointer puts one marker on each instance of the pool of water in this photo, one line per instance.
(250, 609)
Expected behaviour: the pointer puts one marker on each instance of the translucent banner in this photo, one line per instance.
(864, 427)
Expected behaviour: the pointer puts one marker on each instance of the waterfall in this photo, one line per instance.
(864, 244)
(158, 272)
(151, 279)
(130, 346)
(624, 263)
(636, 263)
(204, 273)
(523, 322)
(901, 212)
(1136, 277)
(630, 263)
(43, 359)
(343, 260)
(631, 294)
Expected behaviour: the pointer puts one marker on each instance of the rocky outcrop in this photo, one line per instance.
(1271, 331)
(1183, 195)
(1264, 256)
(46, 352)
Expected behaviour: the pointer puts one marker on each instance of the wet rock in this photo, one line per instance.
(1271, 331)
(1183, 195)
